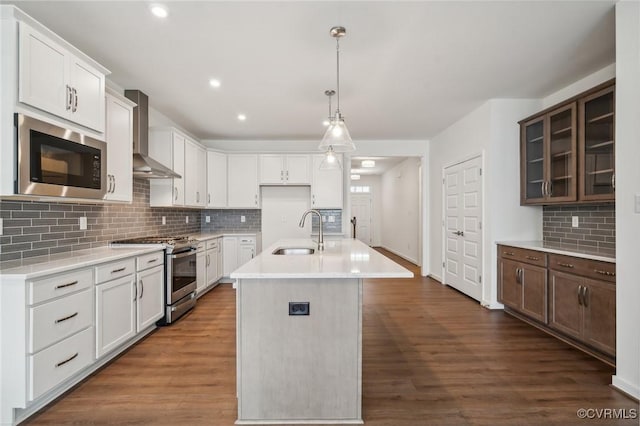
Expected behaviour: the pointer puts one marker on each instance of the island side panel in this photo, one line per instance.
(304, 368)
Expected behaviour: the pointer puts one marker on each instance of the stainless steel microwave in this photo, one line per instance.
(57, 162)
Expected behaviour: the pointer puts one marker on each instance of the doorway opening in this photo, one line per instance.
(386, 204)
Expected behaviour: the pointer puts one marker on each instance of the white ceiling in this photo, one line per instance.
(408, 69)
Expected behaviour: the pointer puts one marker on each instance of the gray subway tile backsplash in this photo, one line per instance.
(596, 225)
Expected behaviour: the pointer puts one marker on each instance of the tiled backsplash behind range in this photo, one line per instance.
(596, 226)
(38, 228)
(231, 220)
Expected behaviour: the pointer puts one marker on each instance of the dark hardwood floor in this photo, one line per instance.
(431, 356)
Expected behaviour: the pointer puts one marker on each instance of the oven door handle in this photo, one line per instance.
(182, 254)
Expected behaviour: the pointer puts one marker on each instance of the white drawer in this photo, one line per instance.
(59, 362)
(110, 271)
(150, 260)
(60, 318)
(201, 245)
(247, 240)
(213, 244)
(59, 285)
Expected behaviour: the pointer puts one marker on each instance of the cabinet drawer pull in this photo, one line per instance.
(66, 318)
(509, 253)
(66, 285)
(152, 260)
(565, 265)
(118, 270)
(532, 258)
(61, 363)
(607, 273)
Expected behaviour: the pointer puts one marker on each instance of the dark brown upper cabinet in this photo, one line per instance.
(567, 151)
(597, 143)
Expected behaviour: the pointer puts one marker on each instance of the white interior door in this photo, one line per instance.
(361, 210)
(463, 227)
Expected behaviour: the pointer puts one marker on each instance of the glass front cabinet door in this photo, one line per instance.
(597, 146)
(548, 157)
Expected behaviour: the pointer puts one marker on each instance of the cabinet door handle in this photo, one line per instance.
(580, 295)
(141, 288)
(585, 296)
(256, 199)
(313, 199)
(543, 186)
(114, 183)
(135, 292)
(565, 265)
(61, 363)
(75, 100)
(175, 188)
(118, 270)
(281, 174)
(607, 273)
(69, 97)
(550, 189)
(287, 175)
(613, 181)
(208, 198)
(532, 258)
(66, 285)
(66, 318)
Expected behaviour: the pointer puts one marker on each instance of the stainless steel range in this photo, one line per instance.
(180, 273)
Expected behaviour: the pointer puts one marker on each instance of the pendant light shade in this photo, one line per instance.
(337, 135)
(330, 160)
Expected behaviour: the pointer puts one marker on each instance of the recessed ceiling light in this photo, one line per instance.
(159, 10)
(242, 117)
(214, 83)
(325, 123)
(368, 163)
(355, 177)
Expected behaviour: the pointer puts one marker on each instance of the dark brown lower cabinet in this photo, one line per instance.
(524, 287)
(570, 305)
(584, 309)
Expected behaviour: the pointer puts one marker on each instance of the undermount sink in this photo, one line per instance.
(294, 251)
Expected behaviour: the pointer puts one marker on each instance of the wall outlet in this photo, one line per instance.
(332, 219)
(324, 219)
(83, 223)
(164, 220)
(186, 219)
(243, 219)
(637, 203)
(1, 226)
(575, 221)
(207, 219)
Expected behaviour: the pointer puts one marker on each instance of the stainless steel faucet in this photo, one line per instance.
(320, 232)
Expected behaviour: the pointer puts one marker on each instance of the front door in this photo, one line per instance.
(463, 227)
(361, 211)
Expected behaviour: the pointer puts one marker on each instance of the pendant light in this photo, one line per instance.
(330, 160)
(337, 135)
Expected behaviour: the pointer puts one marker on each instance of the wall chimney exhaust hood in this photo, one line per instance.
(143, 165)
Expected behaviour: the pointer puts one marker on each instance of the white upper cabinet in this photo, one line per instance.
(216, 180)
(166, 145)
(178, 142)
(242, 179)
(119, 138)
(284, 169)
(195, 164)
(326, 185)
(56, 81)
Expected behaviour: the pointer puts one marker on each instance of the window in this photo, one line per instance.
(360, 189)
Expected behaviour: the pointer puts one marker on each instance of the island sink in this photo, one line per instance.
(294, 250)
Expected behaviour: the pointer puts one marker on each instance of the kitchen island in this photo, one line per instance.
(299, 331)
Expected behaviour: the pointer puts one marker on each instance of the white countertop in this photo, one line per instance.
(605, 255)
(45, 265)
(346, 258)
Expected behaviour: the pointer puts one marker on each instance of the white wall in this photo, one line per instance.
(492, 131)
(374, 182)
(627, 376)
(282, 208)
(606, 73)
(399, 190)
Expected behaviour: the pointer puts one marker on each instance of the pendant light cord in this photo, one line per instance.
(338, 76)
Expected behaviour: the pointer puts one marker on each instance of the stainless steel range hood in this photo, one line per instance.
(143, 165)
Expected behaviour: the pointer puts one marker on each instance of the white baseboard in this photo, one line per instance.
(626, 387)
(492, 305)
(397, 253)
(435, 277)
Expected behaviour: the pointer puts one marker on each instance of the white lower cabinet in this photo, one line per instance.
(201, 268)
(150, 297)
(238, 250)
(115, 314)
(208, 264)
(59, 362)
